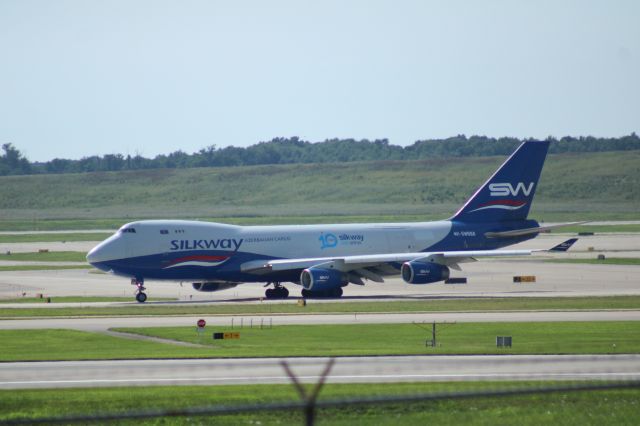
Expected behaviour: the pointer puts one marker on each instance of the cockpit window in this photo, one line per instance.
(164, 231)
(129, 230)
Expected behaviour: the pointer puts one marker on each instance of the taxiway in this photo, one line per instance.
(21, 375)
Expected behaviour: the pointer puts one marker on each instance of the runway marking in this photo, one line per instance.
(334, 377)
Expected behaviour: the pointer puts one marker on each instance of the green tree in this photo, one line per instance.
(12, 162)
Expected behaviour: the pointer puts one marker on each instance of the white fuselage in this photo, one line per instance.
(167, 239)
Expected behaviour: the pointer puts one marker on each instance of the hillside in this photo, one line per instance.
(588, 183)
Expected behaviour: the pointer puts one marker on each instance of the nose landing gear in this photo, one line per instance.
(141, 296)
(277, 292)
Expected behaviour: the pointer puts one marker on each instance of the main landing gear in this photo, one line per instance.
(277, 292)
(141, 296)
(334, 293)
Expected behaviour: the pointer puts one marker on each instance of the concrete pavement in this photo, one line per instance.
(24, 375)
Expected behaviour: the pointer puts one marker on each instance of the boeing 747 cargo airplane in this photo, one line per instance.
(325, 258)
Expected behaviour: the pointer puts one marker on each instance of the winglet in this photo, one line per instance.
(564, 246)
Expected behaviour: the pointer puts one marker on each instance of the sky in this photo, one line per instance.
(87, 77)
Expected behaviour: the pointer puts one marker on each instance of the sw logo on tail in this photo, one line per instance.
(506, 189)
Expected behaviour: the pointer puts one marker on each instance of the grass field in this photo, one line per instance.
(400, 339)
(610, 407)
(435, 305)
(55, 345)
(573, 187)
(311, 340)
(50, 256)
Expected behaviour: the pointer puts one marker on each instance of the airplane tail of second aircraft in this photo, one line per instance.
(508, 194)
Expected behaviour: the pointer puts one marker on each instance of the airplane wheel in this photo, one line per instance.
(269, 293)
(141, 297)
(283, 293)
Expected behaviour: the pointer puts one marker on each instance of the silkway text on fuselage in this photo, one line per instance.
(223, 243)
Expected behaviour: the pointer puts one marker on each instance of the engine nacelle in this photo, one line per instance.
(213, 286)
(416, 272)
(320, 279)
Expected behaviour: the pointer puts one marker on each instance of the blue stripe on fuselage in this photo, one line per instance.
(154, 266)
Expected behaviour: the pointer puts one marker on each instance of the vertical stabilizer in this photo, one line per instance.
(508, 194)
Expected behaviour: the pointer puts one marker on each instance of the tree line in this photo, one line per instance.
(294, 150)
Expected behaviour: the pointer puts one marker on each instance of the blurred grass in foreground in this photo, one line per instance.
(610, 407)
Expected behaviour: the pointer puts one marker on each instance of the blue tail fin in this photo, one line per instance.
(508, 194)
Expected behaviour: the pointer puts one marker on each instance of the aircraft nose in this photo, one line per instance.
(94, 255)
(110, 249)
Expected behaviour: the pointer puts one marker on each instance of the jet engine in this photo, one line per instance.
(213, 286)
(320, 279)
(416, 272)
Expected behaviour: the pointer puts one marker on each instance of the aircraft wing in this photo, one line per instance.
(374, 266)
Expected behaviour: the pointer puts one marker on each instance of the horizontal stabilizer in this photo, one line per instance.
(527, 231)
(564, 246)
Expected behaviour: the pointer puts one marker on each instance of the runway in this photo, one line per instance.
(103, 324)
(24, 375)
